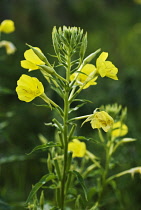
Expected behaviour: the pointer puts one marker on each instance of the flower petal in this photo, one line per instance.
(28, 65)
(119, 129)
(32, 57)
(103, 56)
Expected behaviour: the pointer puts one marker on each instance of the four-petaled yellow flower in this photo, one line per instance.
(86, 75)
(100, 120)
(7, 26)
(32, 60)
(119, 129)
(77, 148)
(9, 46)
(106, 68)
(29, 88)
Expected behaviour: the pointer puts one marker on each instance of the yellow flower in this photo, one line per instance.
(32, 60)
(87, 74)
(9, 46)
(29, 88)
(106, 68)
(7, 26)
(119, 129)
(77, 148)
(100, 120)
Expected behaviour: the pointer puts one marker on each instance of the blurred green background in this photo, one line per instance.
(112, 25)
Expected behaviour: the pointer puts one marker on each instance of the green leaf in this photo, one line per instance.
(83, 100)
(58, 91)
(45, 146)
(39, 184)
(77, 107)
(81, 181)
(77, 202)
(82, 138)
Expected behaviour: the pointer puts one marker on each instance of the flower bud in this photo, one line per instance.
(90, 57)
(39, 54)
(48, 69)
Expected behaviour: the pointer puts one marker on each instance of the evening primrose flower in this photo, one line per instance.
(7, 26)
(86, 74)
(32, 60)
(77, 148)
(119, 129)
(9, 46)
(29, 88)
(100, 120)
(106, 68)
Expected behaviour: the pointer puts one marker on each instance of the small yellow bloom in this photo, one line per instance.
(106, 68)
(77, 148)
(86, 74)
(7, 26)
(119, 129)
(100, 120)
(32, 60)
(9, 46)
(29, 88)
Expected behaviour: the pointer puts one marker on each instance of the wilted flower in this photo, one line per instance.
(119, 129)
(77, 148)
(9, 46)
(86, 74)
(100, 120)
(106, 68)
(7, 26)
(32, 60)
(29, 88)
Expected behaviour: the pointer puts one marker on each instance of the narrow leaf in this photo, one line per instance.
(81, 181)
(39, 184)
(44, 146)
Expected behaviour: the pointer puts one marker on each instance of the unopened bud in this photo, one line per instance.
(39, 54)
(48, 69)
(90, 57)
(42, 200)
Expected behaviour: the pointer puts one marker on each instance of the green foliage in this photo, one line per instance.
(112, 25)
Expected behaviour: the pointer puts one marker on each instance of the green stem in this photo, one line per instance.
(65, 135)
(104, 175)
(59, 77)
(100, 135)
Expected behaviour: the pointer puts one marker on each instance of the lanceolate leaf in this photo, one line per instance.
(77, 107)
(39, 184)
(45, 146)
(81, 181)
(83, 102)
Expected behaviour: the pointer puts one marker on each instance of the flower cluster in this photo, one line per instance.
(79, 73)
